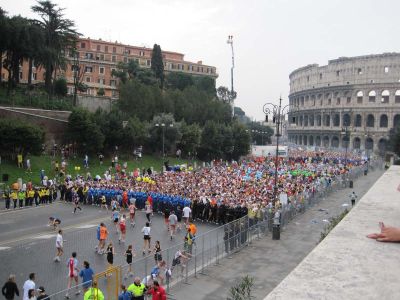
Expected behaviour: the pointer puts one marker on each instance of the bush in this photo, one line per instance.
(60, 86)
(17, 136)
(100, 92)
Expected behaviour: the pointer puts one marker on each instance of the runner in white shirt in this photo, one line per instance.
(146, 238)
(29, 285)
(173, 220)
(59, 246)
(186, 214)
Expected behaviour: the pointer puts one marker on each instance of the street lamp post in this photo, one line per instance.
(277, 112)
(230, 42)
(345, 132)
(163, 126)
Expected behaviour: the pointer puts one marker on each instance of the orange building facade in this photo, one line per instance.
(97, 59)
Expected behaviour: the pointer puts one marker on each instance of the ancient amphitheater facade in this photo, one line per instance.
(358, 95)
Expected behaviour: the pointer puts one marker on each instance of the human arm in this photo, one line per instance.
(3, 290)
(387, 234)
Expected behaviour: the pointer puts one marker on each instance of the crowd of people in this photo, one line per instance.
(218, 194)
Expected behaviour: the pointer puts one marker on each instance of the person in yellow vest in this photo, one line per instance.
(14, 197)
(137, 289)
(30, 195)
(21, 198)
(19, 160)
(94, 293)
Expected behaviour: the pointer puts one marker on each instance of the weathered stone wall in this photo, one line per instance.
(92, 103)
(53, 125)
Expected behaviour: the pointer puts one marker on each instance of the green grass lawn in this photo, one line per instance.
(45, 162)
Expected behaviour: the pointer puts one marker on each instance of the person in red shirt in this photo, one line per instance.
(150, 199)
(157, 292)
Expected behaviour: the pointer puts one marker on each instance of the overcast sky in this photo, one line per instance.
(271, 38)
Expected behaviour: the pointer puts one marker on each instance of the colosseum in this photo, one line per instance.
(353, 102)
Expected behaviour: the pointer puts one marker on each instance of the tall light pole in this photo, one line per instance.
(277, 112)
(230, 42)
(345, 132)
(163, 135)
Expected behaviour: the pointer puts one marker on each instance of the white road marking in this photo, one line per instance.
(86, 226)
(44, 236)
(4, 248)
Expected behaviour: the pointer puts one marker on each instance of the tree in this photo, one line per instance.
(83, 130)
(36, 39)
(132, 70)
(100, 92)
(242, 138)
(137, 99)
(211, 141)
(78, 71)
(17, 136)
(4, 36)
(17, 49)
(157, 64)
(178, 80)
(190, 140)
(59, 36)
(60, 86)
(225, 95)
(206, 84)
(172, 134)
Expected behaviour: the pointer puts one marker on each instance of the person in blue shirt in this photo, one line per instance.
(87, 276)
(125, 294)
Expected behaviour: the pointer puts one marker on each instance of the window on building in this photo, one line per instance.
(358, 121)
(386, 69)
(20, 75)
(320, 75)
(359, 71)
(127, 51)
(346, 120)
(114, 49)
(125, 59)
(113, 58)
(397, 96)
(360, 96)
(148, 62)
(101, 70)
(383, 121)
(113, 82)
(141, 53)
(101, 81)
(337, 73)
(87, 79)
(372, 96)
(308, 78)
(370, 121)
(385, 96)
(98, 47)
(106, 49)
(329, 101)
(89, 55)
(348, 100)
(88, 69)
(83, 45)
(101, 56)
(338, 101)
(34, 76)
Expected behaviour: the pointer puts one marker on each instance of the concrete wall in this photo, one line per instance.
(92, 103)
(52, 122)
(346, 264)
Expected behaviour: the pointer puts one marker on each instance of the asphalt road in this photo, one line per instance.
(27, 244)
